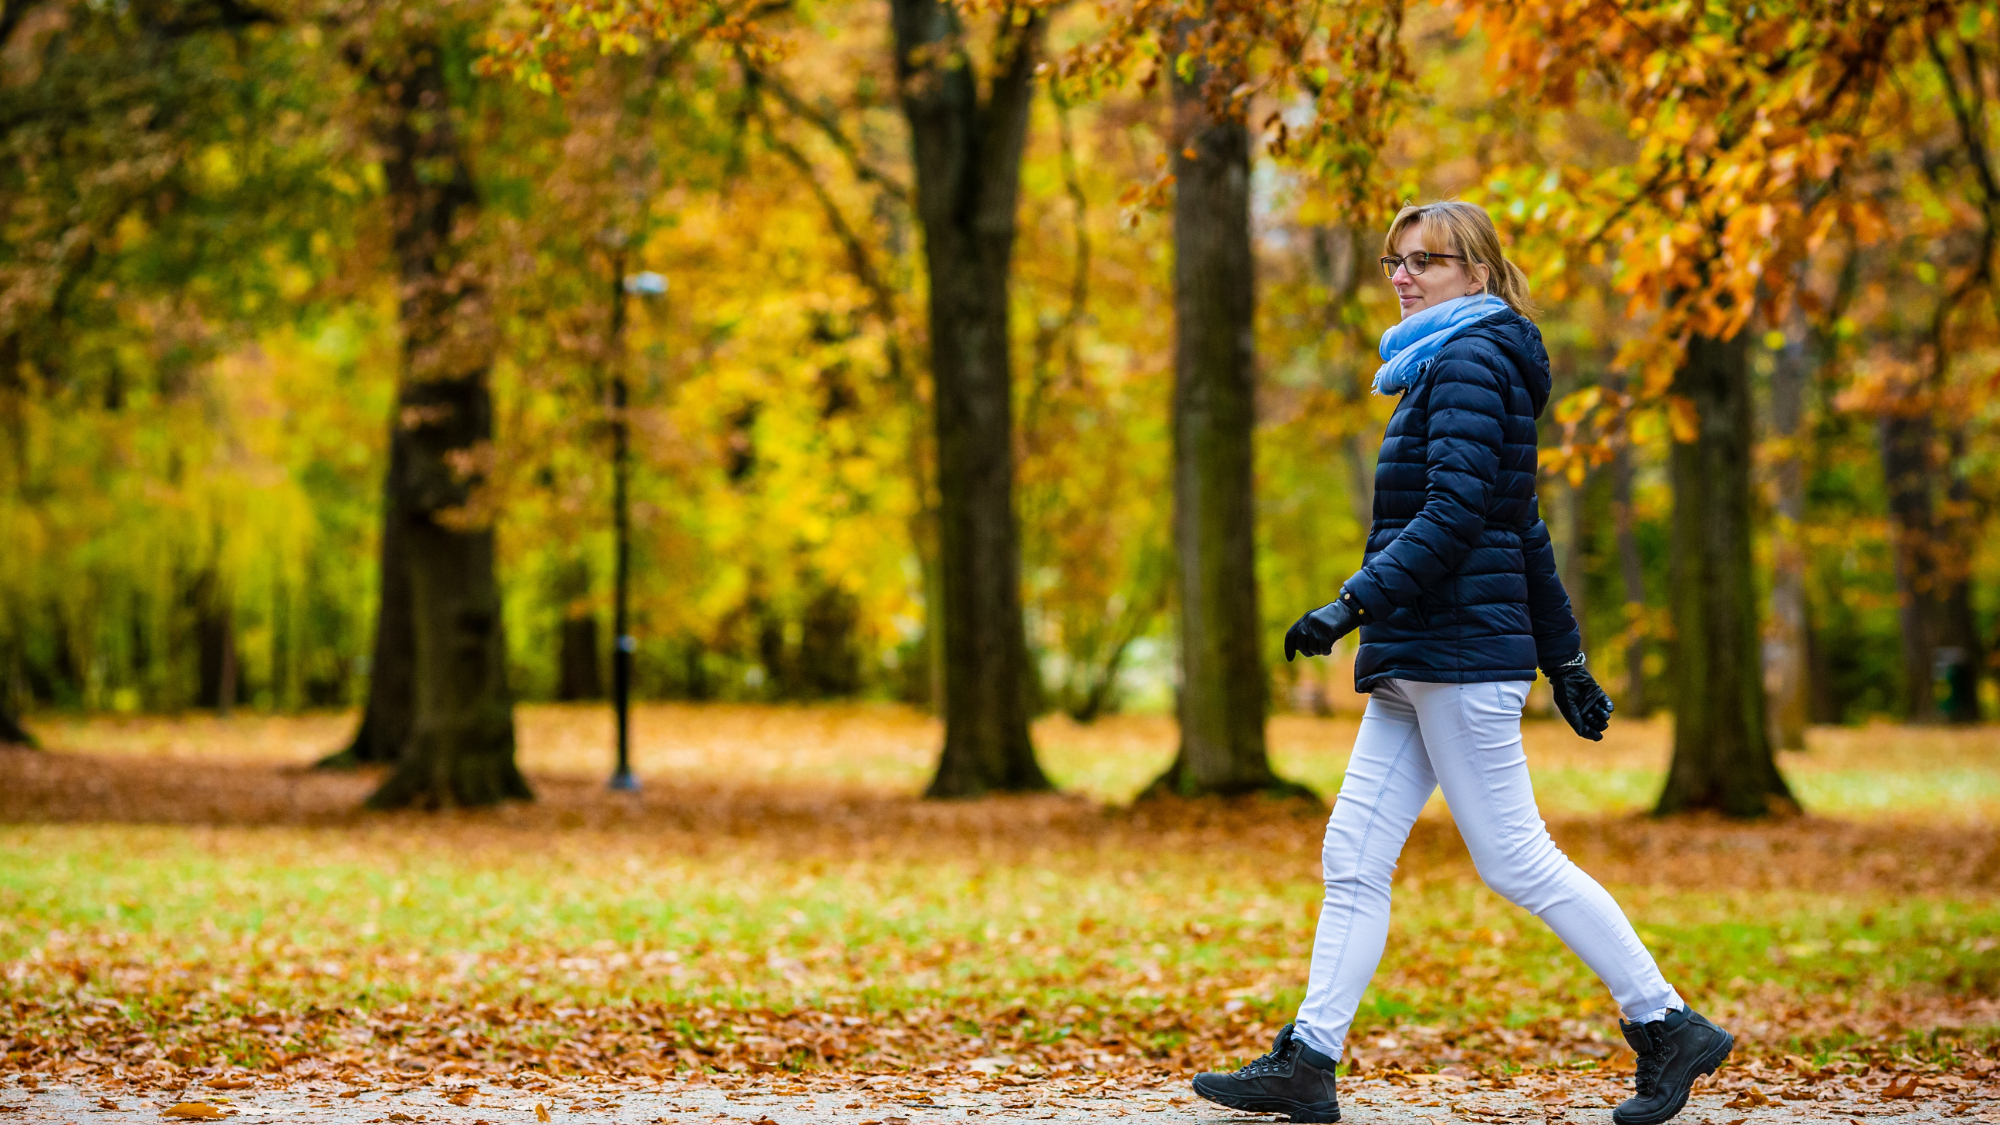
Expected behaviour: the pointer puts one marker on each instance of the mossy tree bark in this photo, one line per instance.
(1722, 750)
(460, 746)
(967, 153)
(1224, 687)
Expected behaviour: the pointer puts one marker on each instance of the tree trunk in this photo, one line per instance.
(460, 747)
(829, 662)
(13, 397)
(12, 735)
(390, 713)
(967, 153)
(1933, 587)
(1339, 264)
(215, 644)
(1787, 664)
(579, 675)
(1963, 656)
(1722, 749)
(1574, 561)
(1224, 687)
(579, 657)
(1905, 440)
(1632, 575)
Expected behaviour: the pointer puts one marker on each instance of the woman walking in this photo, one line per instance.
(1458, 604)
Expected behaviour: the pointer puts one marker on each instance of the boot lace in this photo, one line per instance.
(1651, 1063)
(1273, 1061)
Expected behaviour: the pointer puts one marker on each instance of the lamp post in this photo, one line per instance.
(647, 284)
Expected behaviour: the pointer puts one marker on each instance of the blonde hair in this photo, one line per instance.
(1453, 227)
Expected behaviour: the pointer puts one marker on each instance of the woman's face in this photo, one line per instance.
(1446, 279)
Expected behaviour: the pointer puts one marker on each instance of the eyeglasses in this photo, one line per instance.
(1416, 263)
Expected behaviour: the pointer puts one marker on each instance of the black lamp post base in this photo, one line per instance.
(624, 782)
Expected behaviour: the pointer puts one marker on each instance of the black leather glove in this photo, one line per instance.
(1580, 700)
(1315, 633)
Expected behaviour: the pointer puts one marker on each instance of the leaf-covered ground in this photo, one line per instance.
(181, 902)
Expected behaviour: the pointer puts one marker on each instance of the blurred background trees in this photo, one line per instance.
(291, 291)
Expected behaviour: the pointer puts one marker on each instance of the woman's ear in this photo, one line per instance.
(1481, 272)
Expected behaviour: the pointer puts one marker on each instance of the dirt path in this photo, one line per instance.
(1756, 1095)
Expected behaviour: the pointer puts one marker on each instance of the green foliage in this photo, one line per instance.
(198, 341)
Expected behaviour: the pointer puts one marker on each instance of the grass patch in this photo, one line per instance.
(281, 922)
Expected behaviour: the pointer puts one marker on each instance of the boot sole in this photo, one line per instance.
(1321, 1112)
(1702, 1069)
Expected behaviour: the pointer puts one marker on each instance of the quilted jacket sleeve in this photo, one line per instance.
(1557, 639)
(1461, 463)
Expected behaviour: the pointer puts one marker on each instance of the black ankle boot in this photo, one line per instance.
(1673, 1052)
(1293, 1079)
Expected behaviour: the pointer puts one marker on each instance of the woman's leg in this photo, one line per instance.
(1473, 735)
(1388, 780)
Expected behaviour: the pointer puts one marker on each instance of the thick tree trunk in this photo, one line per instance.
(391, 709)
(1787, 663)
(460, 748)
(1224, 688)
(1722, 749)
(967, 153)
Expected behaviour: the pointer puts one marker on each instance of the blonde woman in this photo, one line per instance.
(1458, 604)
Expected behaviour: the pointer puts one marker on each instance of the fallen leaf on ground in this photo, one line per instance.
(463, 1097)
(234, 1083)
(1902, 1087)
(196, 1110)
(1748, 1098)
(541, 1112)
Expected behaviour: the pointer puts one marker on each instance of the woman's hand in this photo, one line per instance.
(1580, 700)
(1315, 633)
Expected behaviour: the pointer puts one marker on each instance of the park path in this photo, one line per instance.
(1542, 1099)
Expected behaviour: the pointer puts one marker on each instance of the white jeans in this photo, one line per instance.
(1465, 738)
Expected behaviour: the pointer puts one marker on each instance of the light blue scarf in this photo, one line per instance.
(1418, 337)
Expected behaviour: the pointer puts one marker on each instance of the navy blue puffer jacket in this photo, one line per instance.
(1459, 581)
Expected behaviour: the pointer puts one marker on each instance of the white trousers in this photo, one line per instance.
(1465, 738)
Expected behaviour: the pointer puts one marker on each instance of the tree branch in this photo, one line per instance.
(860, 261)
(830, 128)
